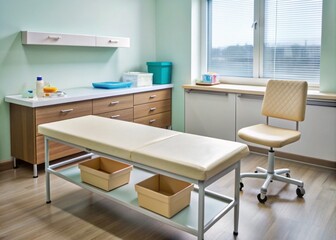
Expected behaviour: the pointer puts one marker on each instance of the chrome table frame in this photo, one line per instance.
(201, 228)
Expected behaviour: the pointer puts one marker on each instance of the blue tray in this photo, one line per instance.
(112, 85)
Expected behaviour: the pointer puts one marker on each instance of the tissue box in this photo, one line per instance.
(138, 79)
(209, 78)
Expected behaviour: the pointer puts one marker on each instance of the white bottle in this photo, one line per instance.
(39, 86)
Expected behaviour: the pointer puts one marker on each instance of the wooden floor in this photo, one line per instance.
(75, 213)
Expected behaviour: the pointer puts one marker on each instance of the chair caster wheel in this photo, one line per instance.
(288, 175)
(300, 192)
(235, 233)
(241, 186)
(255, 171)
(262, 199)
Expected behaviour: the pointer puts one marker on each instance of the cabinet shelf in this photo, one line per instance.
(62, 39)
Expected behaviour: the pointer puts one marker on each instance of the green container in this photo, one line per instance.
(162, 72)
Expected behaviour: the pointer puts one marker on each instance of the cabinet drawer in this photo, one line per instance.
(162, 120)
(152, 96)
(56, 150)
(104, 105)
(125, 114)
(112, 42)
(148, 109)
(39, 38)
(63, 111)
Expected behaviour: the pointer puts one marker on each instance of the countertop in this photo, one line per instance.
(254, 90)
(80, 94)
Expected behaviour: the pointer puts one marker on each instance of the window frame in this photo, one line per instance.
(258, 47)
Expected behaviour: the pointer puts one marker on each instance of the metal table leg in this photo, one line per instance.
(47, 174)
(236, 199)
(201, 196)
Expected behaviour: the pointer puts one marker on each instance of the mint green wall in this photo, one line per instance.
(67, 67)
(328, 51)
(173, 43)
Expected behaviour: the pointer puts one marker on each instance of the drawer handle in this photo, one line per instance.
(113, 41)
(152, 120)
(115, 102)
(67, 110)
(152, 96)
(54, 37)
(152, 109)
(115, 116)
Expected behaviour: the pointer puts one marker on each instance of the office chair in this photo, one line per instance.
(285, 100)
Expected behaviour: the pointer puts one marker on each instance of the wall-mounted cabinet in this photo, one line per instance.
(61, 39)
(112, 42)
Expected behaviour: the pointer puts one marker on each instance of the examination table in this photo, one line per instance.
(192, 158)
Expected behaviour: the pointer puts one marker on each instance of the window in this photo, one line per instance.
(279, 39)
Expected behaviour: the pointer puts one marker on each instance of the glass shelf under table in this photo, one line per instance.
(186, 220)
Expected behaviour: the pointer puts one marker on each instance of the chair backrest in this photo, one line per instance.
(285, 99)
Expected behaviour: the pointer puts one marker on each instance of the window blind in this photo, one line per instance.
(292, 39)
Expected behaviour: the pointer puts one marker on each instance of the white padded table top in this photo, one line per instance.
(191, 155)
(184, 154)
(110, 136)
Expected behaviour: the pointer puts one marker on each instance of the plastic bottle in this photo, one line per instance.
(39, 86)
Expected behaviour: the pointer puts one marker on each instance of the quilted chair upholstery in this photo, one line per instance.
(284, 99)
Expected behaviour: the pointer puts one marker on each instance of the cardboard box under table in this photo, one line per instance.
(105, 173)
(164, 195)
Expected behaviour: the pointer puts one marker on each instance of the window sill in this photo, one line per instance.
(254, 90)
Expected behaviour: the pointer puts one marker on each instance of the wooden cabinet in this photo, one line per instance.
(153, 108)
(26, 143)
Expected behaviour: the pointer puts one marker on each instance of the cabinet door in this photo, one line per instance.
(62, 112)
(318, 134)
(56, 150)
(210, 114)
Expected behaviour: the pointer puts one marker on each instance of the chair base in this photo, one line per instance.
(271, 174)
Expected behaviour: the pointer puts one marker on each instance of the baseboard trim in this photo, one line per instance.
(298, 158)
(6, 165)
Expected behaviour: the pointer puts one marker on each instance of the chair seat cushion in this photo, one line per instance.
(269, 135)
